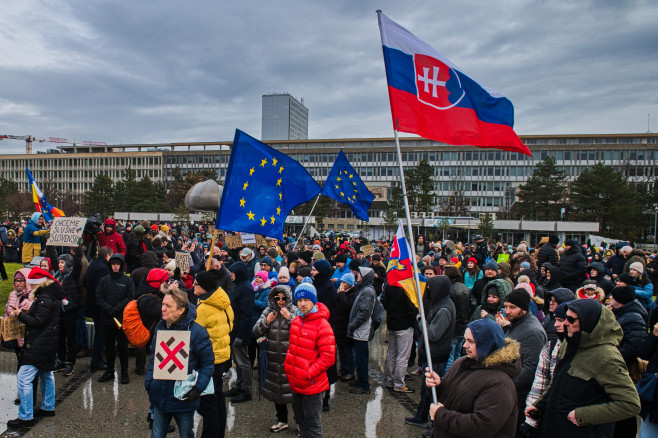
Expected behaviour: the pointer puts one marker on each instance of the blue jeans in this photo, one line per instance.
(423, 410)
(456, 352)
(361, 359)
(184, 421)
(24, 379)
(81, 334)
(346, 355)
(648, 429)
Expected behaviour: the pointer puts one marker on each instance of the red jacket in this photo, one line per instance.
(311, 352)
(114, 241)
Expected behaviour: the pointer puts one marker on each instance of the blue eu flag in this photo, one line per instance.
(345, 186)
(262, 186)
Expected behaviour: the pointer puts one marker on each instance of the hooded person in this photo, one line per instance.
(597, 272)
(68, 275)
(490, 273)
(440, 319)
(109, 237)
(345, 297)
(34, 230)
(477, 396)
(591, 388)
(147, 260)
(262, 285)
(493, 299)
(552, 278)
(643, 287)
(632, 317)
(555, 298)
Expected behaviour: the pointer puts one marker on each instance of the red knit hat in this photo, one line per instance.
(472, 260)
(156, 277)
(155, 227)
(38, 275)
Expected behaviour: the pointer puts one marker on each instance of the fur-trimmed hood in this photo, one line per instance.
(503, 356)
(580, 294)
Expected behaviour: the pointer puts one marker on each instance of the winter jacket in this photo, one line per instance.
(276, 388)
(643, 291)
(648, 350)
(504, 289)
(147, 260)
(380, 279)
(312, 350)
(562, 295)
(12, 247)
(469, 280)
(603, 282)
(69, 282)
(440, 317)
(149, 304)
(201, 358)
(112, 240)
(632, 317)
(581, 295)
(261, 300)
(461, 296)
(615, 265)
(532, 337)
(592, 379)
(42, 327)
(326, 294)
(478, 287)
(216, 315)
(339, 272)
(32, 238)
(344, 303)
(573, 268)
(554, 281)
(637, 255)
(113, 293)
(242, 302)
(358, 327)
(519, 258)
(479, 397)
(400, 311)
(97, 269)
(20, 300)
(547, 253)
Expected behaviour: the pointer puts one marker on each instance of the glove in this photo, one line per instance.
(237, 342)
(192, 395)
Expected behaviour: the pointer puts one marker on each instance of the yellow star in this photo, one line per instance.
(263, 222)
(251, 171)
(354, 182)
(278, 183)
(342, 194)
(338, 179)
(251, 215)
(351, 176)
(242, 202)
(272, 219)
(350, 200)
(278, 211)
(337, 187)
(280, 196)
(244, 187)
(356, 191)
(274, 161)
(263, 162)
(280, 169)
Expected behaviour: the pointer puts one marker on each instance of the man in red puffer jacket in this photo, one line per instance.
(311, 352)
(110, 238)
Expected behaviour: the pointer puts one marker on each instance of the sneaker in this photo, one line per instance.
(278, 427)
(360, 390)
(107, 376)
(59, 366)
(241, 398)
(405, 389)
(18, 423)
(43, 413)
(69, 370)
(414, 421)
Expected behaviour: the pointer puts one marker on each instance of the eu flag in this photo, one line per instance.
(345, 186)
(262, 186)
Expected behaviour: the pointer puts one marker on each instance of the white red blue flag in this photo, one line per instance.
(431, 97)
(400, 270)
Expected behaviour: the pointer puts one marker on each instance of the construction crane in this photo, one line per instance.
(28, 140)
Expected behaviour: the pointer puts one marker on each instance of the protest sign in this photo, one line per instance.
(11, 329)
(172, 353)
(66, 231)
(183, 261)
(368, 249)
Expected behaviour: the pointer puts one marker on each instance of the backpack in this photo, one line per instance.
(376, 318)
(133, 327)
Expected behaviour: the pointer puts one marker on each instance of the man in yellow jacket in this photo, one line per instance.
(214, 312)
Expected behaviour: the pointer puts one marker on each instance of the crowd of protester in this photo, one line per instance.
(549, 340)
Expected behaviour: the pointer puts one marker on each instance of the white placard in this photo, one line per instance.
(66, 231)
(248, 238)
(183, 261)
(172, 353)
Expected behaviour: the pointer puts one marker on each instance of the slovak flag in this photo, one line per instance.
(431, 97)
(40, 202)
(400, 270)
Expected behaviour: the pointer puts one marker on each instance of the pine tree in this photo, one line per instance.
(100, 197)
(542, 196)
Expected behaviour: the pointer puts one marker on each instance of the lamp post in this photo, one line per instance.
(655, 225)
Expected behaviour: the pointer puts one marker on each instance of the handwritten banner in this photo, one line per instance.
(66, 231)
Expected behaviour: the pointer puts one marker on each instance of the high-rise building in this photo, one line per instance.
(284, 118)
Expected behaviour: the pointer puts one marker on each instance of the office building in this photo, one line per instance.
(283, 118)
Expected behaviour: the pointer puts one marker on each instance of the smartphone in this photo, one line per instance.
(502, 313)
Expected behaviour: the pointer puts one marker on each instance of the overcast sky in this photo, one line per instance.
(166, 71)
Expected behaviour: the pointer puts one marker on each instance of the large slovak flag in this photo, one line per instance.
(400, 270)
(431, 97)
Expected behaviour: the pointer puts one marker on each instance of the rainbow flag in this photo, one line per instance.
(40, 201)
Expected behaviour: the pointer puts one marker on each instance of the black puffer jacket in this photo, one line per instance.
(276, 389)
(632, 317)
(242, 302)
(547, 253)
(326, 294)
(113, 293)
(344, 303)
(461, 296)
(42, 327)
(98, 269)
(573, 267)
(147, 260)
(69, 283)
(400, 311)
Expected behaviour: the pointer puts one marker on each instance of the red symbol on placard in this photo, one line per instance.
(171, 355)
(432, 78)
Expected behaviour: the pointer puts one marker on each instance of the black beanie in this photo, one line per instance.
(623, 294)
(552, 238)
(340, 258)
(520, 298)
(376, 257)
(307, 256)
(207, 280)
(304, 272)
(354, 265)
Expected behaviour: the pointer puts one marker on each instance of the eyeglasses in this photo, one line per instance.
(280, 298)
(572, 319)
(18, 280)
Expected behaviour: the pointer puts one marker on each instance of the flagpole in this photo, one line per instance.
(421, 308)
(308, 218)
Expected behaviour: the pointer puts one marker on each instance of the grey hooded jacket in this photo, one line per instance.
(358, 327)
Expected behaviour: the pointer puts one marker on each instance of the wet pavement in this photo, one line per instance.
(86, 408)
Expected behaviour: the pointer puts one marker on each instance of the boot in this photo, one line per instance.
(107, 376)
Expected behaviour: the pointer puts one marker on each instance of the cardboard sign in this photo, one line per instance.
(11, 329)
(172, 353)
(368, 249)
(183, 261)
(233, 242)
(66, 231)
